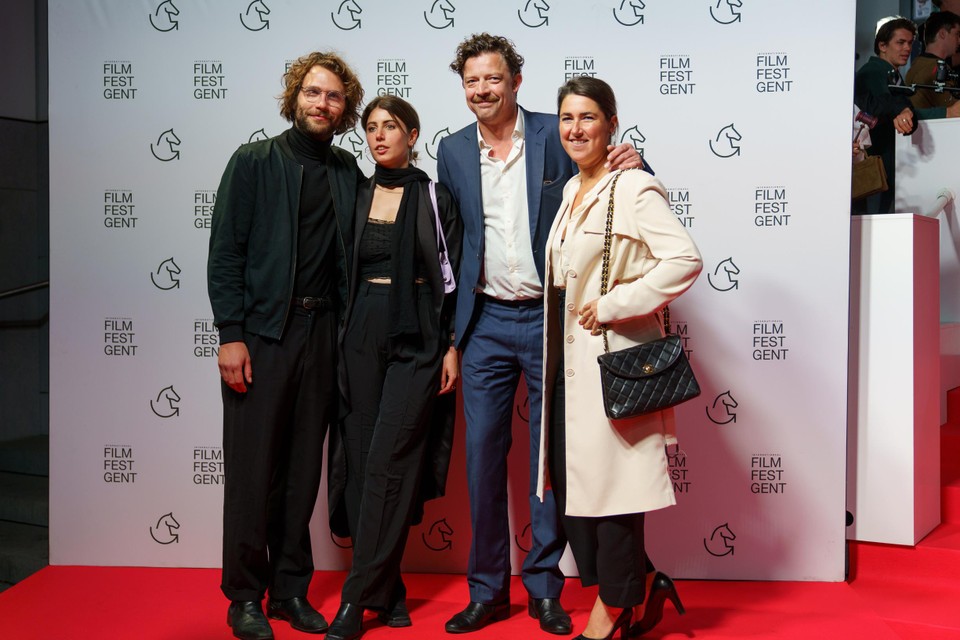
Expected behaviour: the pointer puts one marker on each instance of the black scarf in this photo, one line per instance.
(404, 248)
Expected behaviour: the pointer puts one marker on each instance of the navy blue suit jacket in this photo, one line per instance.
(458, 168)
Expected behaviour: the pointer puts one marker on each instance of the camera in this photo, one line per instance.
(945, 74)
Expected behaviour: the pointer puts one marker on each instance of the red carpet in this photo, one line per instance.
(893, 593)
(163, 604)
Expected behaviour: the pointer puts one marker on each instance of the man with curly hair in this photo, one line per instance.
(506, 171)
(280, 248)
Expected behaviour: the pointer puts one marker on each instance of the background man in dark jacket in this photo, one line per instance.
(276, 277)
(941, 39)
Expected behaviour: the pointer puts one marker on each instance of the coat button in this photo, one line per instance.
(570, 307)
(572, 273)
(569, 339)
(569, 373)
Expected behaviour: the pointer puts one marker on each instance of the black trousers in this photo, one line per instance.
(392, 385)
(272, 448)
(609, 550)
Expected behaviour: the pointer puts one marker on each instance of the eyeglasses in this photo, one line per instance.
(312, 95)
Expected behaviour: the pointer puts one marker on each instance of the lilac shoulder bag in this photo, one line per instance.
(449, 282)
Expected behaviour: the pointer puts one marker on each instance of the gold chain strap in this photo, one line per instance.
(605, 266)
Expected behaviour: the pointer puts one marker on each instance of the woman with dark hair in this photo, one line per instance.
(398, 367)
(605, 473)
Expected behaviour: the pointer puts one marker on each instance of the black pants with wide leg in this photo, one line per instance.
(392, 385)
(272, 448)
(609, 550)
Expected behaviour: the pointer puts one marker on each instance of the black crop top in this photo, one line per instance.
(376, 246)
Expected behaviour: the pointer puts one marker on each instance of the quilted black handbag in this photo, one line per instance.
(648, 377)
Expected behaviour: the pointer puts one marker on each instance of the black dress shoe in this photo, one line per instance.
(553, 619)
(348, 624)
(248, 622)
(299, 613)
(476, 616)
(661, 589)
(397, 616)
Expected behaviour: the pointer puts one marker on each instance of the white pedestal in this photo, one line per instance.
(893, 434)
(926, 165)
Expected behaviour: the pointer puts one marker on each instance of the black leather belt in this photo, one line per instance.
(321, 304)
(526, 302)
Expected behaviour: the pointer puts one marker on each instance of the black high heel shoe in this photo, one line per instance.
(661, 589)
(622, 623)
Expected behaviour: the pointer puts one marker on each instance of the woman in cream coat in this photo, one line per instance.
(607, 474)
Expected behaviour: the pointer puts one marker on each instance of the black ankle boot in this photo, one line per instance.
(348, 624)
(248, 622)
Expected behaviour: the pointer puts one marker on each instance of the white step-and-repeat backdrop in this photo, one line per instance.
(742, 108)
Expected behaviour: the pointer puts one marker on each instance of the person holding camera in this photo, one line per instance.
(941, 39)
(894, 111)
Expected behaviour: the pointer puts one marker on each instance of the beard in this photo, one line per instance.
(321, 131)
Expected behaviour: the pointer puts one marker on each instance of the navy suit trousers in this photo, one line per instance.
(507, 340)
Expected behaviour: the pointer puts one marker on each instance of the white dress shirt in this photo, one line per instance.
(509, 272)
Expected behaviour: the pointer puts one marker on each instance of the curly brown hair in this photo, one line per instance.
(480, 43)
(293, 80)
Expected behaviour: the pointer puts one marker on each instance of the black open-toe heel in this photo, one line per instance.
(622, 623)
(661, 589)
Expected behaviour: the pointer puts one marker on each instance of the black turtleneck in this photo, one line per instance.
(316, 273)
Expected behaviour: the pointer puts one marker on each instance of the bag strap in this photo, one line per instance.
(441, 240)
(605, 265)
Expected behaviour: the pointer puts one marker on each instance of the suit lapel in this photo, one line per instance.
(474, 189)
(535, 153)
(364, 200)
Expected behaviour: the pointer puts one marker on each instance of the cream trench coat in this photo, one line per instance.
(613, 467)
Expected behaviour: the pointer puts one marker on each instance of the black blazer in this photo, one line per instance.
(440, 436)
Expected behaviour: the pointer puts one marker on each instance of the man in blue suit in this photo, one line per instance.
(507, 172)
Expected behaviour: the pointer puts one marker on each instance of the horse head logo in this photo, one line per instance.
(720, 542)
(534, 14)
(164, 18)
(353, 142)
(166, 148)
(347, 16)
(726, 11)
(255, 17)
(722, 411)
(165, 276)
(434, 145)
(524, 539)
(629, 13)
(165, 406)
(257, 136)
(438, 537)
(725, 144)
(440, 15)
(166, 530)
(634, 137)
(722, 278)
